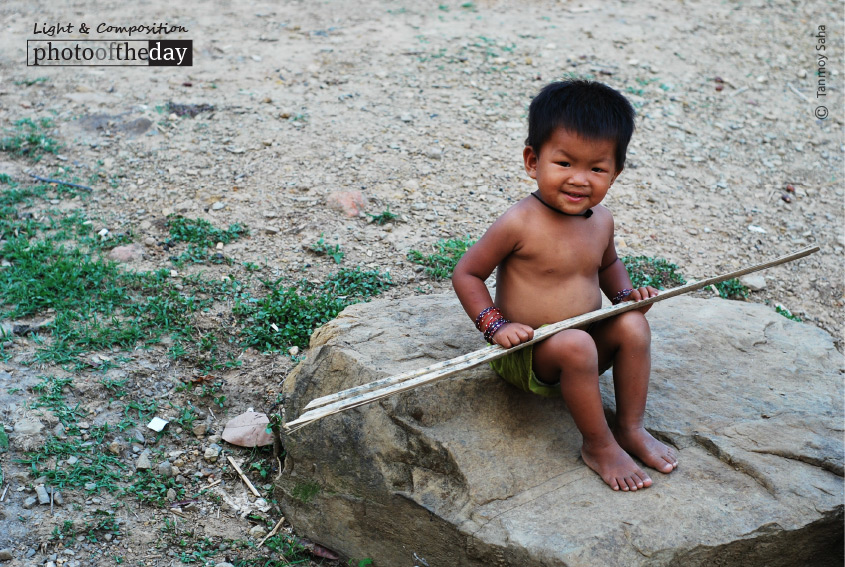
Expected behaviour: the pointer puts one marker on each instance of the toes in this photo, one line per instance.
(646, 480)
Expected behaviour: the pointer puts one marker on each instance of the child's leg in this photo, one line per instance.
(571, 356)
(625, 341)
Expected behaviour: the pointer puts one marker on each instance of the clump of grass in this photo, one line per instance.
(202, 232)
(333, 251)
(31, 139)
(383, 217)
(787, 313)
(288, 314)
(442, 262)
(655, 272)
(732, 289)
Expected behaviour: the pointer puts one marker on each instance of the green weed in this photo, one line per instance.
(152, 488)
(441, 263)
(655, 272)
(732, 289)
(332, 251)
(383, 217)
(30, 138)
(202, 232)
(787, 313)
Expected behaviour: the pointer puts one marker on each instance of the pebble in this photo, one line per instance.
(200, 429)
(116, 447)
(28, 427)
(224, 564)
(143, 462)
(59, 431)
(72, 460)
(218, 205)
(30, 552)
(171, 495)
(90, 486)
(6, 554)
(258, 532)
(41, 492)
(165, 469)
(293, 351)
(30, 502)
(754, 282)
(211, 454)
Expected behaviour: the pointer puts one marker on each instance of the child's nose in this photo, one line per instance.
(578, 177)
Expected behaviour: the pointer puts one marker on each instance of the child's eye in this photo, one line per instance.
(563, 164)
(598, 170)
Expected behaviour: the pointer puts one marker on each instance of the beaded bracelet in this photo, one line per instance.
(620, 296)
(481, 315)
(493, 327)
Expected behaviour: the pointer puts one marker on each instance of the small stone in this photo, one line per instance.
(293, 351)
(50, 564)
(218, 205)
(59, 431)
(126, 253)
(89, 486)
(165, 469)
(351, 203)
(406, 118)
(215, 439)
(72, 460)
(143, 462)
(271, 229)
(41, 492)
(6, 554)
(85, 424)
(108, 537)
(200, 429)
(58, 499)
(224, 564)
(30, 552)
(434, 153)
(211, 454)
(754, 282)
(116, 447)
(258, 532)
(171, 495)
(30, 502)
(801, 74)
(28, 427)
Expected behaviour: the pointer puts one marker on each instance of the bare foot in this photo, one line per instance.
(615, 467)
(649, 450)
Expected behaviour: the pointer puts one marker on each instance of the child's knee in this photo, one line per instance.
(634, 327)
(574, 347)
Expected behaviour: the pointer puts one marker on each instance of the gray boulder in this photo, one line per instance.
(472, 472)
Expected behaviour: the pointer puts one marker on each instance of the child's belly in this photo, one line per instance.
(540, 300)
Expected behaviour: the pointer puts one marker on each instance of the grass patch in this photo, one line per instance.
(202, 232)
(732, 289)
(383, 217)
(30, 138)
(442, 262)
(655, 272)
(288, 314)
(305, 492)
(787, 313)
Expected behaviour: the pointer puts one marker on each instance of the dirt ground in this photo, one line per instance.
(414, 108)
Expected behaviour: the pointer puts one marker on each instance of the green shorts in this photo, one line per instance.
(516, 368)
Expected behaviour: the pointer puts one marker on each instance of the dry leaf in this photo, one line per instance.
(248, 430)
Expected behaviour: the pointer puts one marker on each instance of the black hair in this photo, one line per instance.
(590, 109)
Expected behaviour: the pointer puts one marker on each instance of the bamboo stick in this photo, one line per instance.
(378, 389)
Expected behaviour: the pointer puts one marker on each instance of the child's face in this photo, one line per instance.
(573, 173)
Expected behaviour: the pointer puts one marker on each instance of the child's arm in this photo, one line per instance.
(615, 281)
(476, 266)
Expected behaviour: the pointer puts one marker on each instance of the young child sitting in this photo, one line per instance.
(555, 254)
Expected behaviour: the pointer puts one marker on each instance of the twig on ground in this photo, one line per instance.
(60, 182)
(273, 532)
(796, 91)
(5, 490)
(736, 92)
(243, 477)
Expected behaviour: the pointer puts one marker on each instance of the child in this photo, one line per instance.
(555, 255)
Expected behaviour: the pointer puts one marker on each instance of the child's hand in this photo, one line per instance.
(512, 334)
(642, 293)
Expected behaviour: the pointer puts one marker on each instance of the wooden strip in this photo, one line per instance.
(243, 477)
(368, 393)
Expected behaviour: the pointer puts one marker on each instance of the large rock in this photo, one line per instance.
(472, 472)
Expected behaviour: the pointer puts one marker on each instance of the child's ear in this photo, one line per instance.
(615, 175)
(530, 158)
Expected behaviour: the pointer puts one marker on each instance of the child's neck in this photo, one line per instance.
(586, 214)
